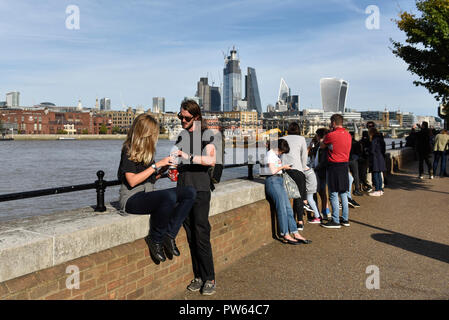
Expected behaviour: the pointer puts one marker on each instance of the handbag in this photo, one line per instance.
(291, 187)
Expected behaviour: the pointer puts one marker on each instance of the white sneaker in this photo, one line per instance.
(431, 177)
(375, 193)
(421, 177)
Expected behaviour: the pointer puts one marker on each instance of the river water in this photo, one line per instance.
(34, 165)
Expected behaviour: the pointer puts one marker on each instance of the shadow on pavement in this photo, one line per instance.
(422, 247)
(407, 179)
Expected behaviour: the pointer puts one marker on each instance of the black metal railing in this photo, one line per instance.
(100, 185)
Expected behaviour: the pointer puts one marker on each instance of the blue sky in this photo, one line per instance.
(134, 50)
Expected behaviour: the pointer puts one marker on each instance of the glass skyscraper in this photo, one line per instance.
(252, 92)
(333, 94)
(232, 82)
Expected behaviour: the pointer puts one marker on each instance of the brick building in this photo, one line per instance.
(44, 121)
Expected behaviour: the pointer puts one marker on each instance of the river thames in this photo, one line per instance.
(34, 165)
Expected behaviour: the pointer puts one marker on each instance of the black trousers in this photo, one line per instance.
(167, 208)
(198, 228)
(424, 158)
(298, 204)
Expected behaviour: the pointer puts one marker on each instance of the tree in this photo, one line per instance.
(115, 130)
(103, 129)
(427, 48)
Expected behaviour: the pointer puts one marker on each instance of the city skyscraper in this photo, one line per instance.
(12, 99)
(333, 94)
(252, 91)
(105, 104)
(158, 104)
(215, 99)
(232, 81)
(203, 93)
(286, 102)
(284, 91)
(209, 96)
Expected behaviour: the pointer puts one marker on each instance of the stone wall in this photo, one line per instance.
(38, 254)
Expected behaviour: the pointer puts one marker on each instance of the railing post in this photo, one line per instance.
(250, 167)
(100, 185)
(393, 145)
(250, 171)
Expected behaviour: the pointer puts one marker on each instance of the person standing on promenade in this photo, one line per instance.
(364, 162)
(354, 156)
(275, 190)
(377, 161)
(424, 149)
(319, 164)
(338, 142)
(311, 187)
(198, 154)
(440, 149)
(297, 158)
(138, 172)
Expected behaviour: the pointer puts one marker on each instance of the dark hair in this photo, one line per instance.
(424, 125)
(370, 124)
(337, 119)
(194, 109)
(321, 132)
(283, 146)
(293, 129)
(373, 132)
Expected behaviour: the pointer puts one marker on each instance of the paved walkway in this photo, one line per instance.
(405, 233)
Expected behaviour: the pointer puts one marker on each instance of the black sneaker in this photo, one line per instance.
(300, 226)
(331, 225)
(353, 203)
(357, 193)
(344, 222)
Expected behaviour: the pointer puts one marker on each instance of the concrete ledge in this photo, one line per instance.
(395, 158)
(33, 244)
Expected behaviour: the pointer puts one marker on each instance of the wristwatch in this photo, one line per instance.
(191, 158)
(154, 166)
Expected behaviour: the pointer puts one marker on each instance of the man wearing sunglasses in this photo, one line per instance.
(197, 156)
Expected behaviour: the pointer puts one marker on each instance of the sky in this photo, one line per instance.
(134, 50)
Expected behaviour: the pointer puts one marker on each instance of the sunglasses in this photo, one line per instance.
(180, 117)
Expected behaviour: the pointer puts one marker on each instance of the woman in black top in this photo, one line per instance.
(138, 172)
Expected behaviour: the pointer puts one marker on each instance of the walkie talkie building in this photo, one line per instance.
(333, 94)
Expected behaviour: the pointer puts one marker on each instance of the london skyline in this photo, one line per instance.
(167, 46)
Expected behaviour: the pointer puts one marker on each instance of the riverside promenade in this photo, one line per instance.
(404, 233)
(83, 254)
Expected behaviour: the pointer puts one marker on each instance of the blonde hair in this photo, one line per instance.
(142, 139)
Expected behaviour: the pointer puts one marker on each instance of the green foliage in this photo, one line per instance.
(60, 131)
(103, 129)
(115, 130)
(427, 46)
(85, 131)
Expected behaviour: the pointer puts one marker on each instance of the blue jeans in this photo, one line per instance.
(312, 204)
(377, 180)
(437, 156)
(351, 180)
(274, 188)
(335, 206)
(167, 208)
